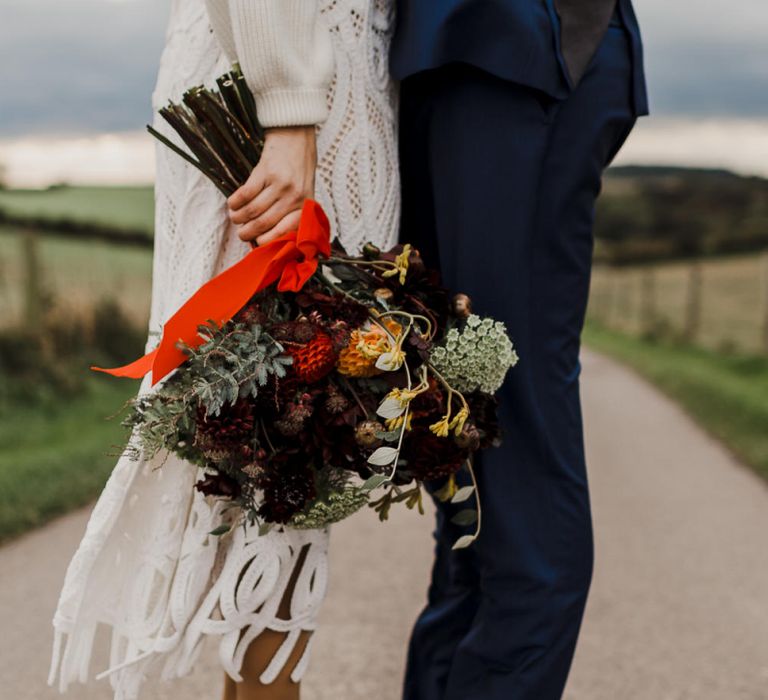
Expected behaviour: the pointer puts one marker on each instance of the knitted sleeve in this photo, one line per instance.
(285, 53)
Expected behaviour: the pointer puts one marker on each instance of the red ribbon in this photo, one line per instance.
(289, 260)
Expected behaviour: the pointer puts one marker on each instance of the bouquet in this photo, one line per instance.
(346, 381)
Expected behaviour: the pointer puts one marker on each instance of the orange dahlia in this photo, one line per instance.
(358, 358)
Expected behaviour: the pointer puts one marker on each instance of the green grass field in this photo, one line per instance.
(77, 273)
(56, 458)
(726, 394)
(120, 207)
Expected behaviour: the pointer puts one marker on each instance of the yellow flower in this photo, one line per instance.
(457, 424)
(440, 428)
(393, 359)
(365, 346)
(396, 423)
(403, 396)
(401, 264)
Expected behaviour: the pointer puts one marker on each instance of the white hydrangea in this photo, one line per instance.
(475, 357)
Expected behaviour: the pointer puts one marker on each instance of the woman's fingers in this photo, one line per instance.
(256, 207)
(270, 202)
(261, 224)
(290, 222)
(250, 190)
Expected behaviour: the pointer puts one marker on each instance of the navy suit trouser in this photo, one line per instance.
(499, 186)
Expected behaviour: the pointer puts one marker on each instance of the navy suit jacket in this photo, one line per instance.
(518, 40)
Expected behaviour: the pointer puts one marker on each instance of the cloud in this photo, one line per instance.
(78, 66)
(90, 65)
(706, 57)
(101, 159)
(83, 67)
(735, 144)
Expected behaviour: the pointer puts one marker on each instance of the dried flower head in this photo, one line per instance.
(366, 433)
(462, 305)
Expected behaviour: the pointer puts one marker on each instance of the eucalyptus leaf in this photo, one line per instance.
(465, 517)
(220, 530)
(383, 456)
(463, 494)
(464, 542)
(329, 274)
(390, 408)
(374, 482)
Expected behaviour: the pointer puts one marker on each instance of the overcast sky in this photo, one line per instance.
(86, 65)
(89, 66)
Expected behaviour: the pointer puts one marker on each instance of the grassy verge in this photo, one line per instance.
(57, 457)
(726, 394)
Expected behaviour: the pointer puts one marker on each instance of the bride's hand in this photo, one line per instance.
(270, 202)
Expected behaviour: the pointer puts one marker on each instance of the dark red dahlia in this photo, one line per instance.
(287, 485)
(229, 434)
(332, 307)
(431, 457)
(483, 415)
(218, 484)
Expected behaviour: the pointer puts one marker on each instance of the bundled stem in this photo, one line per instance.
(220, 128)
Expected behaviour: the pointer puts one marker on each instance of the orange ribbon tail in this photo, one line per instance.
(289, 260)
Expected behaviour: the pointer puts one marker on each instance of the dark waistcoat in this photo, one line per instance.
(546, 44)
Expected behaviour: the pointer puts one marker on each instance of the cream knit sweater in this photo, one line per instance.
(285, 53)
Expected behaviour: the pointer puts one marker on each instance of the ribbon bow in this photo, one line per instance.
(289, 260)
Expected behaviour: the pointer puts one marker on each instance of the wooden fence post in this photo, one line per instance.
(33, 295)
(693, 301)
(600, 297)
(648, 300)
(765, 302)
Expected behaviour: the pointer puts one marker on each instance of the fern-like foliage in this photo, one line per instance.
(233, 362)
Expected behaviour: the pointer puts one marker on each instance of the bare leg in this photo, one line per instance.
(230, 689)
(261, 651)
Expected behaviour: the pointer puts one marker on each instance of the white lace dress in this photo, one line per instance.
(147, 568)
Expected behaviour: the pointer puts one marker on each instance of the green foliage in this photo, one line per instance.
(233, 362)
(45, 363)
(337, 506)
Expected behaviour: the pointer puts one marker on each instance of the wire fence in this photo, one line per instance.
(718, 303)
(40, 270)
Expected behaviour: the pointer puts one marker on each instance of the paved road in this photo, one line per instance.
(679, 604)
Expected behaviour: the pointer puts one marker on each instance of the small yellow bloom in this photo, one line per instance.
(403, 396)
(393, 359)
(457, 424)
(440, 428)
(397, 423)
(401, 264)
(371, 348)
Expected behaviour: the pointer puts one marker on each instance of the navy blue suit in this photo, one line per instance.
(502, 148)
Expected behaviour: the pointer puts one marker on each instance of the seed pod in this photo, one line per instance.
(371, 251)
(462, 305)
(468, 438)
(365, 433)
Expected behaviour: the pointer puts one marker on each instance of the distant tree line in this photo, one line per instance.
(82, 230)
(652, 214)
